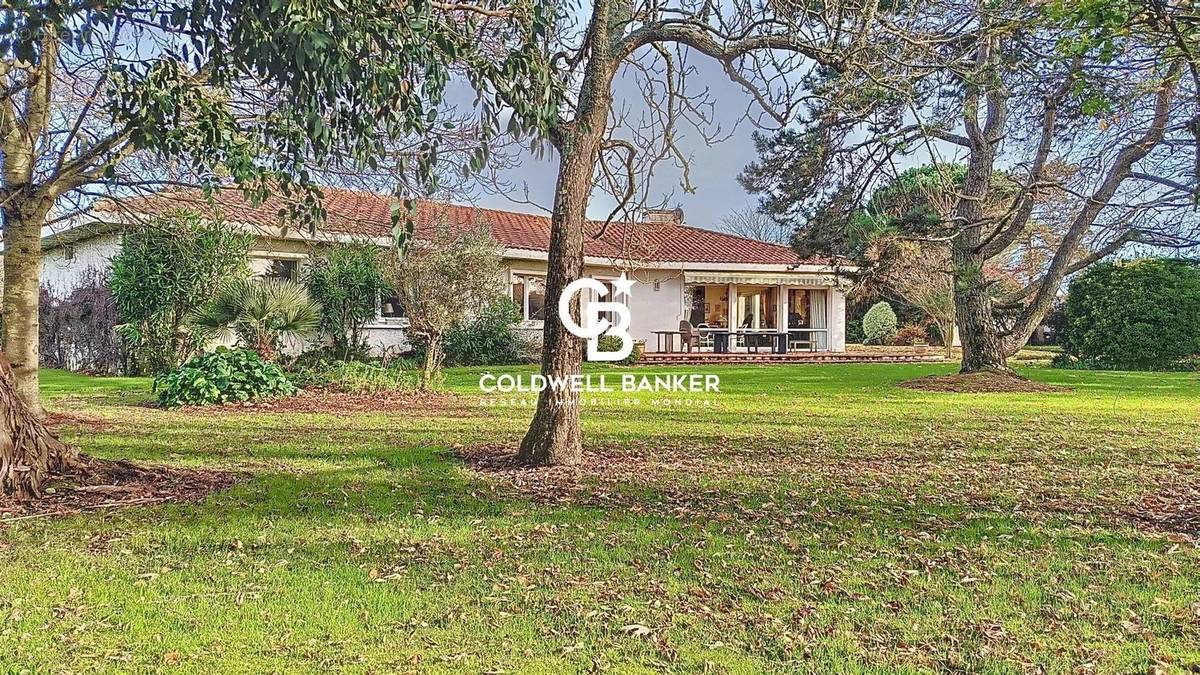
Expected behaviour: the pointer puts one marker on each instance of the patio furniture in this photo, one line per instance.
(803, 338)
(670, 340)
(755, 338)
(689, 336)
(720, 338)
(706, 336)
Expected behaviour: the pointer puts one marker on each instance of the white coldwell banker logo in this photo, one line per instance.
(594, 324)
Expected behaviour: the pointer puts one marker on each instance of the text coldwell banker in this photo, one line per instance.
(684, 383)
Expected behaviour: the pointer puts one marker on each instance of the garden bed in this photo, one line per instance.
(980, 383)
(329, 401)
(104, 484)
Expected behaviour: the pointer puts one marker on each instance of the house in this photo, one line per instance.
(681, 272)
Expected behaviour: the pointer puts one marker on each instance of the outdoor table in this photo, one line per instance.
(670, 335)
(752, 334)
(781, 344)
(720, 339)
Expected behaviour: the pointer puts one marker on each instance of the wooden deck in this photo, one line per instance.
(765, 357)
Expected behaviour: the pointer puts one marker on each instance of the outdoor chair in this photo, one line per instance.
(689, 335)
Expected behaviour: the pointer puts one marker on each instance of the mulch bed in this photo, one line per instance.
(58, 420)
(1175, 509)
(603, 471)
(103, 484)
(980, 383)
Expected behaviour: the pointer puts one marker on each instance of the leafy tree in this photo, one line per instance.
(766, 48)
(259, 313)
(1138, 315)
(441, 281)
(346, 281)
(1085, 103)
(164, 271)
(893, 238)
(113, 97)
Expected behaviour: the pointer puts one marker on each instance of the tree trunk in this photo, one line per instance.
(983, 348)
(554, 435)
(22, 285)
(947, 326)
(432, 368)
(28, 451)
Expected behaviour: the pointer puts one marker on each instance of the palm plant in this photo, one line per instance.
(259, 313)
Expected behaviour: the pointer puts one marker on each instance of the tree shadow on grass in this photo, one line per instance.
(415, 535)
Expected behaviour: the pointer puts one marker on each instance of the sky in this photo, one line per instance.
(714, 169)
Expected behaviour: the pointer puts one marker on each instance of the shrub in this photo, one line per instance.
(879, 324)
(354, 377)
(909, 334)
(162, 273)
(612, 343)
(222, 376)
(854, 333)
(490, 338)
(1139, 315)
(260, 313)
(78, 332)
(346, 281)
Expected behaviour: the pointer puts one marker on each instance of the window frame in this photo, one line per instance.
(271, 260)
(521, 277)
(381, 321)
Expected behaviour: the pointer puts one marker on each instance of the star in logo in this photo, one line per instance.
(623, 286)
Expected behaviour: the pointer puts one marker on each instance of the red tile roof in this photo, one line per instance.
(366, 214)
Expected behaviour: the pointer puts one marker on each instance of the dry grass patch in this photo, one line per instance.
(104, 484)
(980, 383)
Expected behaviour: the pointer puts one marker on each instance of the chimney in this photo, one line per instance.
(665, 216)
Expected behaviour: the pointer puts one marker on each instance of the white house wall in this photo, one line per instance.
(64, 267)
(657, 302)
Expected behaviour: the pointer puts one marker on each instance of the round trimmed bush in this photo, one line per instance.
(222, 376)
(879, 324)
(1137, 315)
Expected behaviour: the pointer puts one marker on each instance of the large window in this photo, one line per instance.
(529, 294)
(798, 313)
(756, 307)
(707, 305)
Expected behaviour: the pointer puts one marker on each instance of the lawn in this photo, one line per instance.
(813, 518)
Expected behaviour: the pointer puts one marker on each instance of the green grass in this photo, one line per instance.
(812, 518)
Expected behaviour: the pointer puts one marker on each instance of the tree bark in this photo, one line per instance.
(29, 453)
(432, 367)
(22, 284)
(554, 435)
(983, 348)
